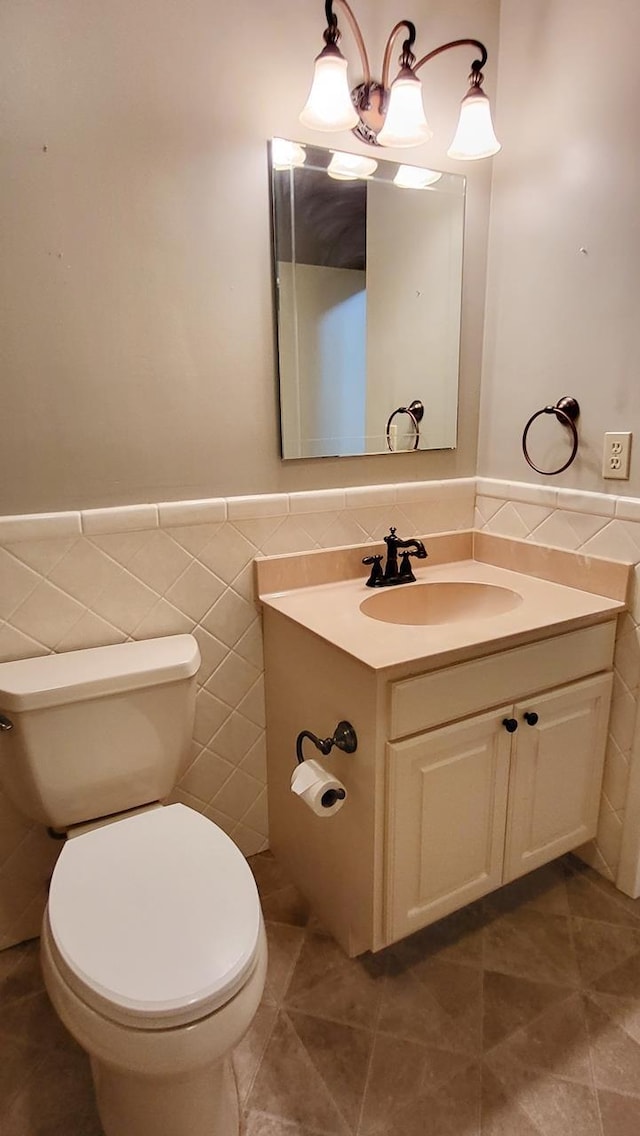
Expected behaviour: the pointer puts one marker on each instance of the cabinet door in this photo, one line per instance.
(447, 800)
(556, 773)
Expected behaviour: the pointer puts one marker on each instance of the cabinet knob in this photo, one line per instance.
(530, 717)
(510, 725)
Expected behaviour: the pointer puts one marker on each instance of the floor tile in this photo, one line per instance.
(329, 985)
(555, 1042)
(457, 938)
(281, 901)
(284, 945)
(501, 1115)
(620, 1114)
(602, 947)
(512, 1002)
(288, 1085)
(436, 1003)
(542, 890)
(34, 1024)
(625, 1012)
(417, 1090)
(57, 1100)
(589, 902)
(532, 944)
(341, 1055)
(615, 1054)
(623, 980)
(20, 972)
(248, 1054)
(579, 868)
(555, 1107)
(286, 906)
(261, 1124)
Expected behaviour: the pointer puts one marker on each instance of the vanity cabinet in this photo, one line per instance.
(477, 803)
(444, 803)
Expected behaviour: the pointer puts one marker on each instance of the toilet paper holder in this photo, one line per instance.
(344, 737)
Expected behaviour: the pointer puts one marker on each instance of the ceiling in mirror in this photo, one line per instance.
(368, 280)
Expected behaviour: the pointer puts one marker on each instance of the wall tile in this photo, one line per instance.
(262, 505)
(127, 576)
(318, 501)
(39, 526)
(17, 581)
(370, 496)
(579, 502)
(47, 613)
(125, 519)
(211, 511)
(227, 553)
(196, 591)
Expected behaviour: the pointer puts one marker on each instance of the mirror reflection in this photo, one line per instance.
(368, 271)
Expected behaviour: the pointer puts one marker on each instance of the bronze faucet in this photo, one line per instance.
(392, 574)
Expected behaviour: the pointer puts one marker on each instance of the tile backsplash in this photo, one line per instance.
(73, 580)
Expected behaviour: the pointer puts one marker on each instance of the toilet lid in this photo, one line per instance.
(155, 916)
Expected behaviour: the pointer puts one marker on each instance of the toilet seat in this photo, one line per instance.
(155, 919)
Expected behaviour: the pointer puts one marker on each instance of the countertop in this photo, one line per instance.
(332, 611)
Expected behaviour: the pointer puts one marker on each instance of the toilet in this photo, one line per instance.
(153, 944)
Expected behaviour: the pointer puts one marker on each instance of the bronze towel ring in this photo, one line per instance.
(415, 410)
(566, 411)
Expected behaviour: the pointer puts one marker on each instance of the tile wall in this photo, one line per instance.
(73, 580)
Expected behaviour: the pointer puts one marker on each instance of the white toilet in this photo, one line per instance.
(153, 943)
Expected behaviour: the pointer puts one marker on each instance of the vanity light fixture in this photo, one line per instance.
(412, 177)
(392, 114)
(350, 167)
(287, 155)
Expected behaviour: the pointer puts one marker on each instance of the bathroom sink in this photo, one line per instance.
(439, 602)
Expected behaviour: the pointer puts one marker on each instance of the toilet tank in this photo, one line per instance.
(98, 731)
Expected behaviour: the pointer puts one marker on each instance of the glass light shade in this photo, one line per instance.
(412, 177)
(329, 106)
(350, 167)
(286, 155)
(475, 137)
(405, 123)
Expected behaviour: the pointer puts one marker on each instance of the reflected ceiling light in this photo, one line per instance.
(350, 167)
(286, 155)
(412, 177)
(392, 114)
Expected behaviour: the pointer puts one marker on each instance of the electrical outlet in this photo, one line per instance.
(616, 455)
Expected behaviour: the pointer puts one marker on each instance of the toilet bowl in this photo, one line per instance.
(154, 957)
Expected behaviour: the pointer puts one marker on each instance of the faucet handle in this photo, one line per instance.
(376, 579)
(406, 573)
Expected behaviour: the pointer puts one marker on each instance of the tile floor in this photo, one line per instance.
(519, 1016)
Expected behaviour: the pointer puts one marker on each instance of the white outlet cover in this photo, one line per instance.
(616, 455)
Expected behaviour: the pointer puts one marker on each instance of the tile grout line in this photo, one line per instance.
(583, 1015)
(374, 1037)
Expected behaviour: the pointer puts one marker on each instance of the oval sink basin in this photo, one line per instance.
(440, 602)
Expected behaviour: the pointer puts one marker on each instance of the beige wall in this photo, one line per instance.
(138, 359)
(559, 320)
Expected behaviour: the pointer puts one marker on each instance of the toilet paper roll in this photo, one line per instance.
(317, 788)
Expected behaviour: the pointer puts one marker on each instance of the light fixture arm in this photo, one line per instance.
(407, 58)
(476, 66)
(332, 33)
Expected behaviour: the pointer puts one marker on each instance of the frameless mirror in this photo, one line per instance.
(368, 271)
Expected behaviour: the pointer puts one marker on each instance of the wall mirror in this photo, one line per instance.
(368, 282)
